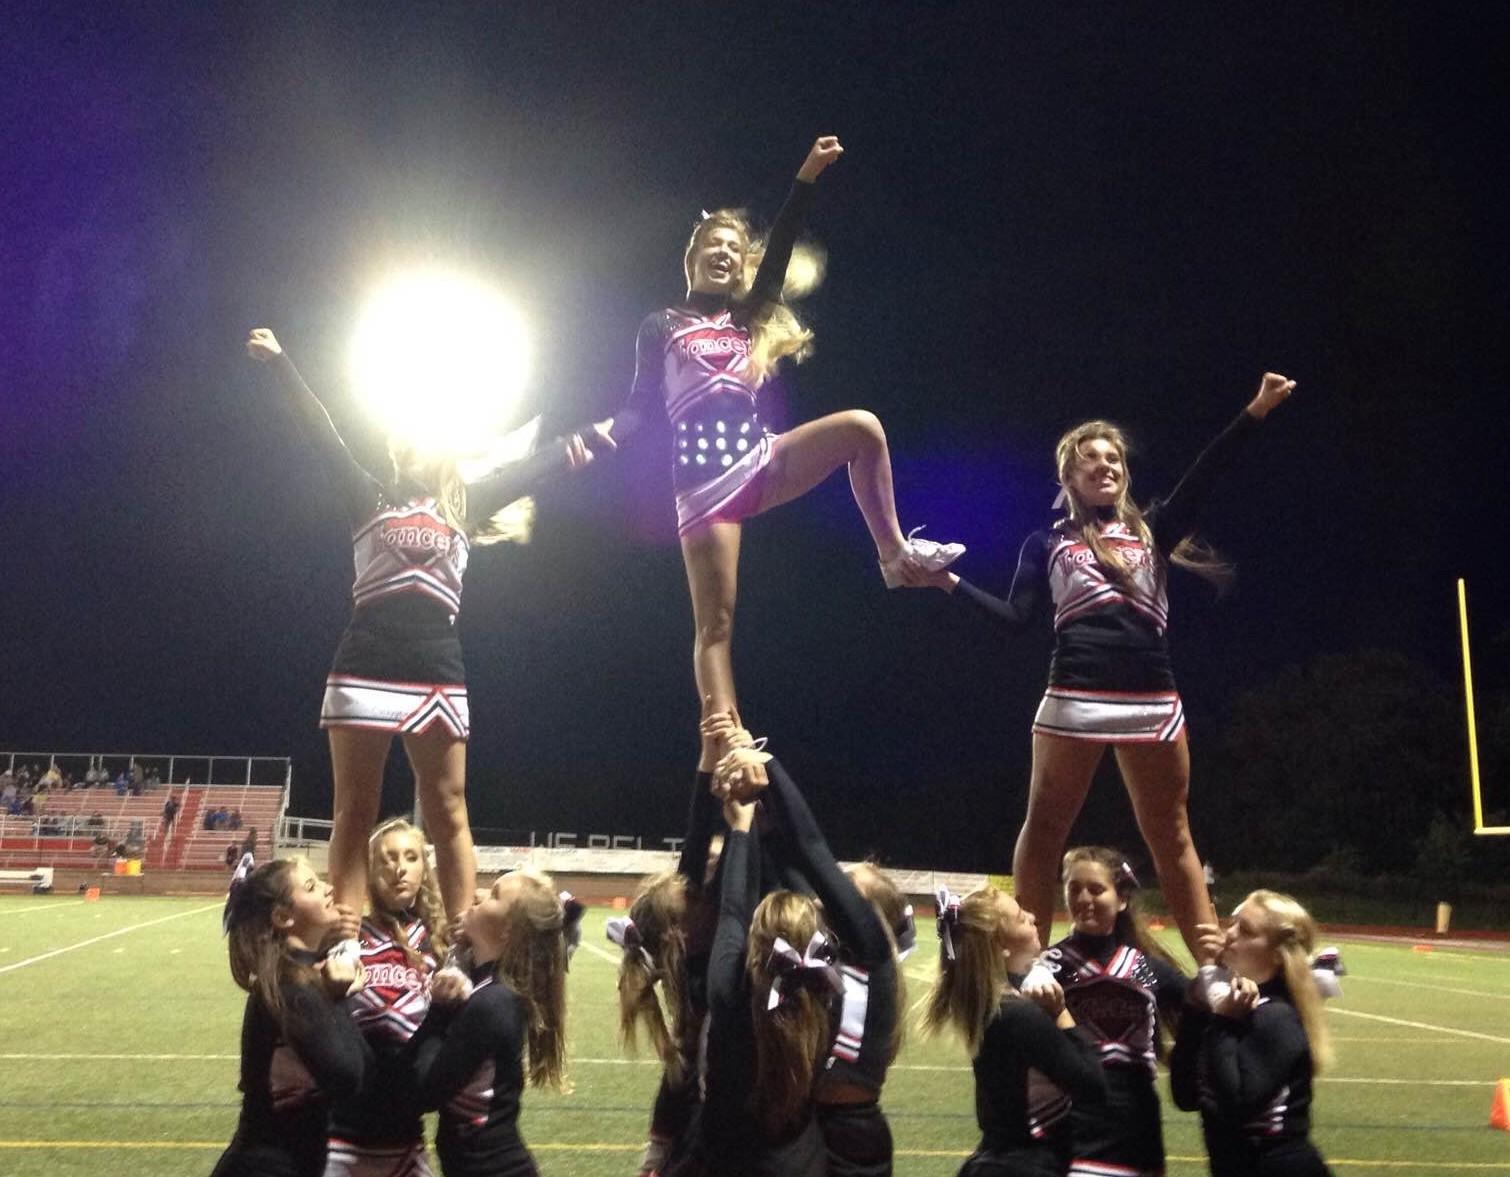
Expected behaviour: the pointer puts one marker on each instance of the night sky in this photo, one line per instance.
(1044, 213)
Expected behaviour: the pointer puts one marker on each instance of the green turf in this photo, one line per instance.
(160, 997)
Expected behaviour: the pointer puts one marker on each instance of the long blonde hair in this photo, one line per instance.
(512, 523)
(1190, 553)
(658, 957)
(791, 1038)
(1291, 932)
(427, 902)
(532, 962)
(775, 330)
(968, 989)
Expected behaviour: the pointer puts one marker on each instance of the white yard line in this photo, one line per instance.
(1356, 1013)
(1431, 988)
(21, 964)
(32, 909)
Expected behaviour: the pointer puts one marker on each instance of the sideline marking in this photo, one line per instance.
(1355, 1013)
(601, 953)
(21, 964)
(41, 907)
(1432, 988)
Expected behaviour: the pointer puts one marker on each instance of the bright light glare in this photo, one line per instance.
(440, 359)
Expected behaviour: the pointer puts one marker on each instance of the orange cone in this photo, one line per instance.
(1499, 1110)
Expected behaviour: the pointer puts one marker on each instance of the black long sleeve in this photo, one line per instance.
(1177, 516)
(1067, 1057)
(326, 1040)
(852, 915)
(498, 489)
(1185, 1058)
(771, 275)
(1029, 593)
(454, 1045)
(702, 820)
(1247, 1061)
(646, 399)
(359, 490)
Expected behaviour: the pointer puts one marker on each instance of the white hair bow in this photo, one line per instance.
(795, 970)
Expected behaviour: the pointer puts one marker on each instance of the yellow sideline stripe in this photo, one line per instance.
(169, 1145)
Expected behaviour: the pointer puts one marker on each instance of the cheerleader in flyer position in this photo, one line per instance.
(700, 363)
(1103, 570)
(398, 668)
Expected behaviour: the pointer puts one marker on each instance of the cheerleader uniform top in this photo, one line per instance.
(290, 1073)
(1250, 1078)
(692, 364)
(388, 1010)
(468, 1060)
(1107, 637)
(1115, 993)
(866, 1014)
(409, 560)
(1027, 1074)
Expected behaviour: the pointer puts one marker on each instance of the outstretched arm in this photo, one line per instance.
(646, 396)
(771, 275)
(853, 916)
(493, 492)
(1180, 514)
(359, 489)
(1024, 600)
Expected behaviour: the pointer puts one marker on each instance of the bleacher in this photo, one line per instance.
(59, 836)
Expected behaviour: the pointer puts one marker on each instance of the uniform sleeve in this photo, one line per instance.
(702, 820)
(853, 916)
(646, 395)
(497, 490)
(453, 1047)
(735, 910)
(1182, 512)
(1067, 1057)
(358, 488)
(1170, 986)
(1185, 1058)
(1030, 585)
(326, 1039)
(771, 275)
(1247, 1061)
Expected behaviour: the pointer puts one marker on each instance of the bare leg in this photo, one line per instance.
(439, 761)
(1158, 780)
(357, 757)
(1062, 773)
(808, 454)
(711, 554)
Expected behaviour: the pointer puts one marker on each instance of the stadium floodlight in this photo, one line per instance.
(1473, 736)
(440, 358)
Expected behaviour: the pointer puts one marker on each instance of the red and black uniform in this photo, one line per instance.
(468, 1061)
(1028, 1075)
(692, 366)
(383, 1131)
(1110, 678)
(291, 1071)
(1116, 994)
(1251, 1080)
(398, 666)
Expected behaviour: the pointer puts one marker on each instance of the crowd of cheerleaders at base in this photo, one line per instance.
(768, 981)
(825, 994)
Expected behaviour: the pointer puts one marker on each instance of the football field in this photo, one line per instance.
(120, 1032)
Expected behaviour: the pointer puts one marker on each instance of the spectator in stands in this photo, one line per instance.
(122, 783)
(92, 777)
(152, 777)
(232, 856)
(233, 821)
(249, 843)
(96, 820)
(7, 789)
(170, 811)
(50, 779)
(210, 816)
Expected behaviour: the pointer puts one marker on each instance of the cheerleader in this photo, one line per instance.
(699, 364)
(470, 1059)
(403, 936)
(1104, 567)
(1031, 1062)
(299, 1049)
(1247, 1062)
(1119, 984)
(398, 668)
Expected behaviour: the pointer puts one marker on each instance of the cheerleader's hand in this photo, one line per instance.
(577, 453)
(739, 814)
(602, 435)
(914, 575)
(450, 986)
(824, 151)
(1273, 391)
(1209, 942)
(1238, 1001)
(1040, 985)
(341, 974)
(348, 924)
(1049, 998)
(741, 773)
(263, 345)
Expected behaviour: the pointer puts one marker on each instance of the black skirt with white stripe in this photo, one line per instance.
(398, 668)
